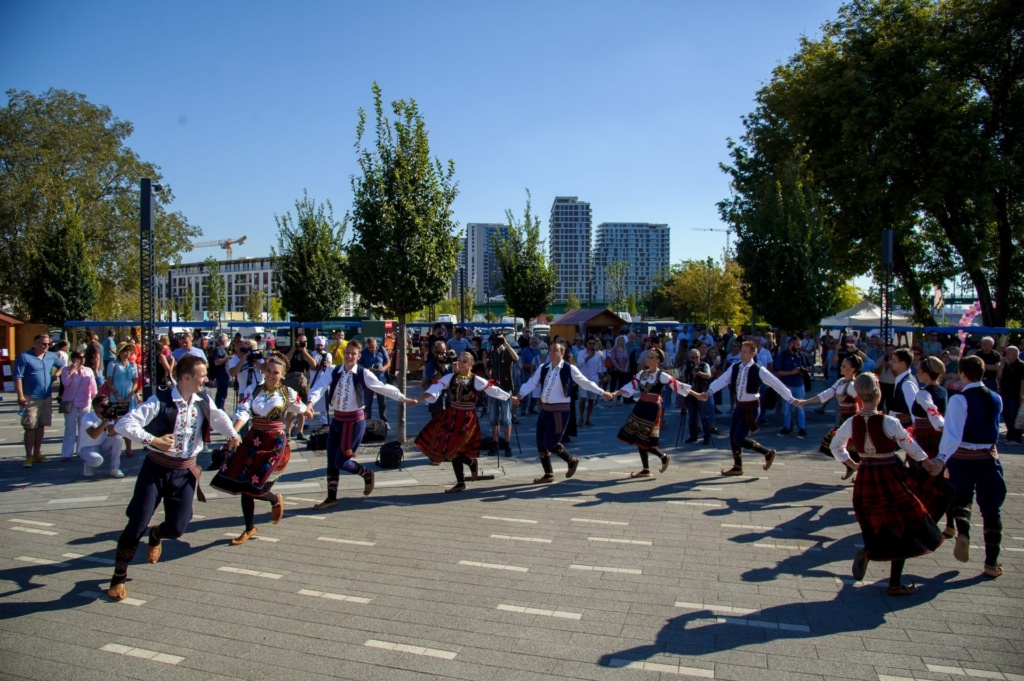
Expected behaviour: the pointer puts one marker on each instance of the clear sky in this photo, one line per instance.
(245, 104)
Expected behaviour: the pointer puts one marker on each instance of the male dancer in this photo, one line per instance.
(905, 391)
(744, 380)
(171, 425)
(554, 379)
(968, 449)
(345, 388)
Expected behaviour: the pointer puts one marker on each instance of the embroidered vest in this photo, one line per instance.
(982, 424)
(753, 378)
(166, 418)
(564, 375)
(655, 387)
(869, 436)
(277, 412)
(358, 384)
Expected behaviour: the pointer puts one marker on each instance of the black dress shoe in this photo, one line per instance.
(691, 440)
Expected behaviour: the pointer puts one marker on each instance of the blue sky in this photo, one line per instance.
(243, 105)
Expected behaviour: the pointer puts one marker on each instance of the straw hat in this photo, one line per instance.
(126, 345)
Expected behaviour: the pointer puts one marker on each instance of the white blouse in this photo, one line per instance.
(840, 387)
(265, 402)
(646, 378)
(435, 390)
(890, 426)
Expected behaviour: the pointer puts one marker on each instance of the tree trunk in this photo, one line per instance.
(911, 285)
(402, 359)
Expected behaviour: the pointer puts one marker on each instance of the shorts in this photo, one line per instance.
(38, 413)
(499, 412)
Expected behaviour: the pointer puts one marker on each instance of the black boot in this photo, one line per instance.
(507, 446)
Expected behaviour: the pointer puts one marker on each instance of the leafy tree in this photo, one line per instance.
(309, 260)
(61, 283)
(572, 302)
(847, 296)
(491, 317)
(59, 150)
(631, 305)
(216, 289)
(402, 253)
(254, 305)
(615, 278)
(686, 291)
(187, 305)
(784, 242)
(277, 311)
(527, 278)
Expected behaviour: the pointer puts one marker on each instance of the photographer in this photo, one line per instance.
(323, 363)
(697, 374)
(219, 357)
(440, 362)
(374, 358)
(98, 438)
(299, 363)
(502, 358)
(246, 365)
(792, 367)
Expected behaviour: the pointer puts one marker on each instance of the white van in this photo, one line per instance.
(542, 331)
(447, 319)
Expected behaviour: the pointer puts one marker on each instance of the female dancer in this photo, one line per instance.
(929, 410)
(894, 523)
(846, 396)
(643, 425)
(454, 434)
(250, 470)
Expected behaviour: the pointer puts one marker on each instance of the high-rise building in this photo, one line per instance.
(569, 246)
(460, 264)
(481, 265)
(642, 246)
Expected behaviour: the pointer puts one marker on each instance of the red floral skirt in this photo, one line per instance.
(449, 433)
(254, 466)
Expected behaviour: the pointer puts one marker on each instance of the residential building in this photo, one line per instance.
(461, 262)
(643, 246)
(569, 244)
(481, 265)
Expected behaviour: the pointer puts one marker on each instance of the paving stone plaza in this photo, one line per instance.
(683, 575)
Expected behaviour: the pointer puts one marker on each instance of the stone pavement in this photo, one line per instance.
(684, 575)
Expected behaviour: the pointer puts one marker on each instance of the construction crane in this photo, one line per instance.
(226, 244)
(727, 231)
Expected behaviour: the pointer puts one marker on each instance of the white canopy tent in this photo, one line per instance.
(863, 315)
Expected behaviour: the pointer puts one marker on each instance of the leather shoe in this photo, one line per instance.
(860, 565)
(277, 510)
(244, 537)
(769, 459)
(543, 479)
(962, 548)
(368, 485)
(326, 503)
(573, 464)
(153, 552)
(459, 487)
(735, 470)
(117, 592)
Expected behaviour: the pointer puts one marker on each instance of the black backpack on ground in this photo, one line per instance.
(317, 440)
(376, 430)
(391, 455)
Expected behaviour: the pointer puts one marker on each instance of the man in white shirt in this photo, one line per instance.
(245, 366)
(591, 365)
(171, 425)
(324, 363)
(344, 389)
(554, 378)
(746, 380)
(97, 438)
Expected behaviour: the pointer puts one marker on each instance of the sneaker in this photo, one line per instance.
(116, 473)
(801, 434)
(786, 431)
(88, 471)
(27, 463)
(300, 437)
(962, 548)
(38, 458)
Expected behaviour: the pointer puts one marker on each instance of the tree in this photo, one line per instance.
(254, 305)
(309, 260)
(527, 279)
(784, 242)
(59, 152)
(847, 296)
(216, 289)
(572, 302)
(631, 305)
(277, 311)
(402, 253)
(61, 282)
(615, 282)
(187, 305)
(688, 288)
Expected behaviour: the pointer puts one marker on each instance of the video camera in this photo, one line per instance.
(112, 411)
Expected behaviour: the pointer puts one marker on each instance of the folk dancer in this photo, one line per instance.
(846, 398)
(643, 425)
(745, 380)
(894, 523)
(968, 449)
(905, 388)
(251, 470)
(555, 378)
(454, 434)
(170, 425)
(928, 410)
(345, 388)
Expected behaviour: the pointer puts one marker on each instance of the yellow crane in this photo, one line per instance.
(226, 244)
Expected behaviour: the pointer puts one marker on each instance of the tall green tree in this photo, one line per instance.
(700, 291)
(309, 260)
(572, 302)
(403, 252)
(59, 150)
(784, 243)
(527, 278)
(61, 282)
(615, 284)
(216, 289)
(254, 305)
(277, 311)
(187, 305)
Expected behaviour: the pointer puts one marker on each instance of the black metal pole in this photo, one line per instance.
(147, 273)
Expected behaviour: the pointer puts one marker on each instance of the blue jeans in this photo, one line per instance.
(801, 418)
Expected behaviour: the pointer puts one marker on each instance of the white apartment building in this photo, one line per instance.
(569, 244)
(644, 246)
(461, 262)
(481, 265)
(240, 275)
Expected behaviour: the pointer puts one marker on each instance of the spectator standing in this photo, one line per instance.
(932, 347)
(297, 378)
(436, 367)
(122, 382)
(245, 367)
(499, 410)
(94, 356)
(186, 347)
(79, 388)
(529, 362)
(591, 365)
(33, 381)
(337, 347)
(459, 343)
(1011, 389)
(992, 361)
(109, 348)
(697, 374)
(809, 347)
(792, 366)
(374, 358)
(164, 364)
(219, 357)
(324, 362)
(524, 340)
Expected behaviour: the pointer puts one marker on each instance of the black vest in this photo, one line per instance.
(564, 375)
(899, 401)
(938, 394)
(753, 379)
(982, 424)
(358, 383)
(166, 418)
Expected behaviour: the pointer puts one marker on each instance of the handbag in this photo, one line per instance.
(64, 407)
